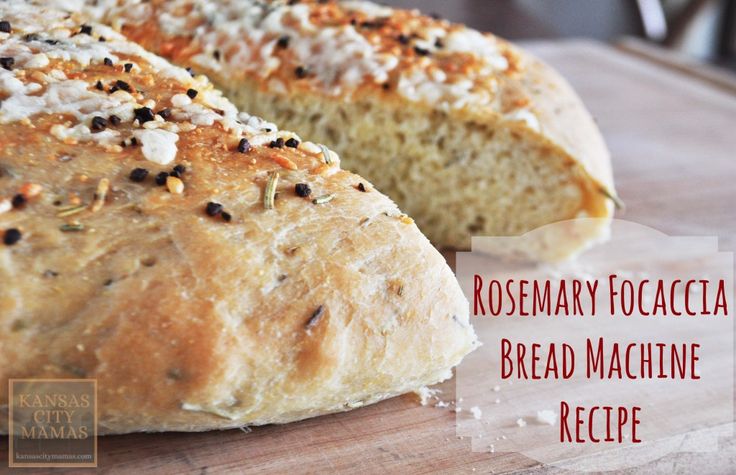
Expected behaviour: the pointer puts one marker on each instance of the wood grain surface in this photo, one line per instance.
(673, 140)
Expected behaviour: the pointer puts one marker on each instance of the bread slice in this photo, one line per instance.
(468, 133)
(296, 297)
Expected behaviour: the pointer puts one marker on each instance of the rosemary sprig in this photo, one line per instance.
(68, 211)
(71, 227)
(616, 200)
(269, 196)
(326, 154)
(323, 199)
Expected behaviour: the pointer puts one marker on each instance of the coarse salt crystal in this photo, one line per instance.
(158, 146)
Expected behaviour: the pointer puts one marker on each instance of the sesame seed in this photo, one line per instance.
(32, 37)
(439, 44)
(303, 190)
(161, 178)
(174, 185)
(128, 67)
(243, 146)
(11, 236)
(138, 175)
(107, 61)
(292, 143)
(227, 217)
(192, 93)
(283, 42)
(102, 39)
(85, 30)
(7, 63)
(5, 26)
(180, 169)
(115, 120)
(18, 201)
(361, 187)
(213, 209)
(99, 123)
(144, 114)
(403, 39)
(216, 54)
(278, 143)
(99, 86)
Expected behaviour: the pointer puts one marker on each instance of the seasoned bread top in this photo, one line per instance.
(345, 49)
(207, 269)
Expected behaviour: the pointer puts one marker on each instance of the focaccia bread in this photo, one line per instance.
(207, 269)
(469, 134)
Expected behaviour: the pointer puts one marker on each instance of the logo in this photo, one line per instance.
(53, 423)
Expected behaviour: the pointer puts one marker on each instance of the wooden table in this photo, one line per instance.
(672, 132)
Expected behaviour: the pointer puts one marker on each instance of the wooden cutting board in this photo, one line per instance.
(672, 132)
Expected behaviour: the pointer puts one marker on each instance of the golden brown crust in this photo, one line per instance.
(190, 321)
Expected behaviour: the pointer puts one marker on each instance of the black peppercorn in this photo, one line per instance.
(161, 178)
(138, 175)
(7, 63)
(303, 190)
(144, 114)
(164, 113)
(213, 209)
(18, 201)
(283, 42)
(243, 146)
(11, 236)
(301, 72)
(99, 123)
(278, 143)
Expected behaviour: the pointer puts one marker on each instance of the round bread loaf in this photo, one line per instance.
(207, 269)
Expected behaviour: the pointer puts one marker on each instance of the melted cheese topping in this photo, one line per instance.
(45, 43)
(335, 48)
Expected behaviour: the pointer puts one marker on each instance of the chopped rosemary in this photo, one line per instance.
(323, 199)
(315, 318)
(326, 154)
(70, 210)
(269, 196)
(70, 228)
(616, 200)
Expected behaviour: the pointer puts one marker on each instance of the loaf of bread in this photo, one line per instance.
(469, 134)
(207, 269)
